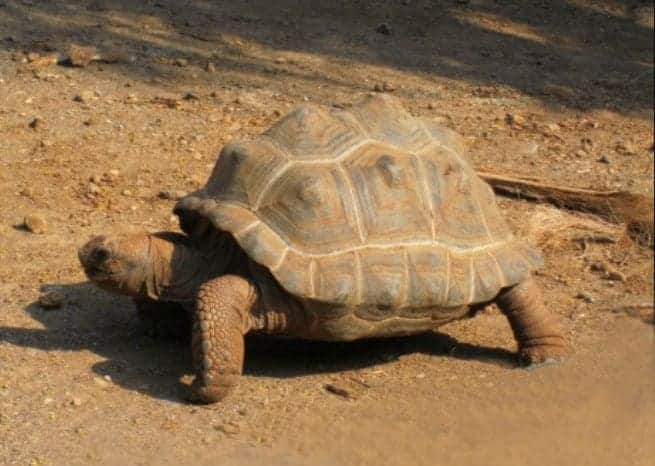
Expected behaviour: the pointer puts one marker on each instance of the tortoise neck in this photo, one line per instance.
(178, 266)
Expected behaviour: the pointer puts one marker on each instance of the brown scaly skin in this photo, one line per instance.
(226, 302)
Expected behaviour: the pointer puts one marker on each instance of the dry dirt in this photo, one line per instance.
(562, 90)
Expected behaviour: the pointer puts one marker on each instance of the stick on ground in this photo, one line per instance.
(635, 210)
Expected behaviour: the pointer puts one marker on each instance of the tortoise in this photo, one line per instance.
(332, 225)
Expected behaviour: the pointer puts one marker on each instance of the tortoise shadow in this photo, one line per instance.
(107, 325)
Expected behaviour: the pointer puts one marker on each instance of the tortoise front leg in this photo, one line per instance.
(538, 332)
(221, 319)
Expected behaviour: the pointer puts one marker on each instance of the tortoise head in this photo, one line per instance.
(120, 264)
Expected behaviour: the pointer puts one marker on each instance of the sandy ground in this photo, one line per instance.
(559, 90)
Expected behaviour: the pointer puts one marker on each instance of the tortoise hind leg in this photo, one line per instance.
(538, 331)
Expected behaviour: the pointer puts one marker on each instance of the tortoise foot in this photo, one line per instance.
(202, 393)
(541, 355)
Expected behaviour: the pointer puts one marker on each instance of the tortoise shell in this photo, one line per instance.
(369, 207)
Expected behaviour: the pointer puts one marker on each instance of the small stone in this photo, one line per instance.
(625, 148)
(81, 56)
(580, 153)
(615, 275)
(100, 382)
(38, 123)
(181, 62)
(51, 300)
(228, 428)
(41, 61)
(76, 402)
(93, 188)
(514, 120)
(383, 28)
(172, 195)
(586, 297)
(554, 127)
(604, 159)
(97, 179)
(126, 192)
(84, 97)
(562, 92)
(210, 67)
(35, 224)
(280, 60)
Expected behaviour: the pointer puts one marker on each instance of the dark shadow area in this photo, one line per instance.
(108, 326)
(581, 54)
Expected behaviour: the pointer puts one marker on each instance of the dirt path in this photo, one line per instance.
(558, 90)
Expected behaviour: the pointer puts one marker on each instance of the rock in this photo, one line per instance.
(383, 28)
(384, 87)
(51, 300)
(514, 119)
(181, 62)
(563, 92)
(586, 297)
(38, 124)
(76, 402)
(126, 192)
(35, 224)
(604, 159)
(172, 195)
(101, 383)
(41, 61)
(210, 67)
(625, 148)
(84, 97)
(93, 188)
(228, 428)
(81, 56)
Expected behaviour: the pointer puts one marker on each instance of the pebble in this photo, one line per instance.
(514, 119)
(35, 224)
(384, 87)
(172, 195)
(625, 148)
(100, 382)
(76, 402)
(81, 56)
(383, 28)
(37, 123)
(84, 97)
(181, 62)
(93, 188)
(51, 300)
(604, 159)
(586, 297)
(210, 67)
(228, 428)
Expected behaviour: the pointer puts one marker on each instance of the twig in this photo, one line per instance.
(635, 210)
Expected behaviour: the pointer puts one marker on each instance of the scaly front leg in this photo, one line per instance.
(222, 317)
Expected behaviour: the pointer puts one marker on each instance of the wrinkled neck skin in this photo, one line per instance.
(178, 267)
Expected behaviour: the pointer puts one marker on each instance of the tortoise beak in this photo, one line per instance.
(93, 257)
